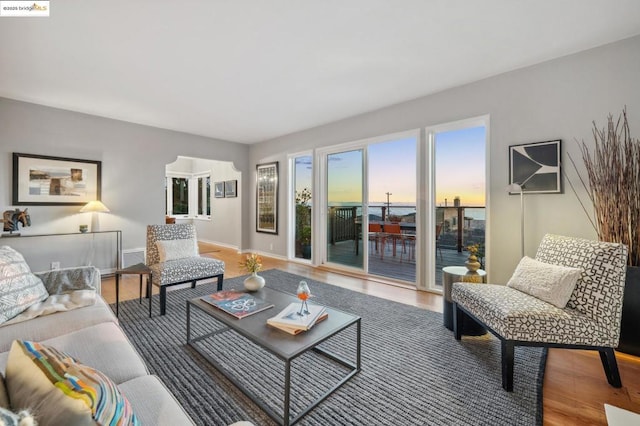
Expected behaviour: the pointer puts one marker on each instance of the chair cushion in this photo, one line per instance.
(180, 231)
(60, 390)
(19, 288)
(183, 270)
(551, 283)
(515, 315)
(177, 249)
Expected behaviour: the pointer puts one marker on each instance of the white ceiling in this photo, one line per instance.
(252, 70)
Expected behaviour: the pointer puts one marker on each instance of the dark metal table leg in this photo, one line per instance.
(117, 294)
(287, 392)
(149, 284)
(140, 296)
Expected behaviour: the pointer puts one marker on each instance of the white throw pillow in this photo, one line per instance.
(176, 249)
(551, 283)
(19, 288)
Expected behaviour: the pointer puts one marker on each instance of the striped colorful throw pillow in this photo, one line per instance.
(60, 390)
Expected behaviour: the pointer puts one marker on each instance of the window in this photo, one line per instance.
(188, 195)
(204, 196)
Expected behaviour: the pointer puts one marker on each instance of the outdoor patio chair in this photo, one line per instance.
(172, 256)
(375, 233)
(569, 297)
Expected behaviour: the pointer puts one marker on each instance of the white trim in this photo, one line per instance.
(320, 243)
(430, 132)
(218, 243)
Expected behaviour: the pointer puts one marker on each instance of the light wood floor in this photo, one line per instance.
(575, 387)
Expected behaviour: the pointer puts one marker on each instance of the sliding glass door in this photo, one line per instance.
(344, 193)
(458, 208)
(302, 212)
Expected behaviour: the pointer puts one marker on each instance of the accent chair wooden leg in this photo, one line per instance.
(507, 365)
(193, 284)
(163, 299)
(610, 364)
(457, 321)
(220, 278)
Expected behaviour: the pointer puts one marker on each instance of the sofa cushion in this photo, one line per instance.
(153, 403)
(177, 249)
(61, 390)
(193, 268)
(19, 288)
(57, 324)
(551, 283)
(98, 346)
(515, 315)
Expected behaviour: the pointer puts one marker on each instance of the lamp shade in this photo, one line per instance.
(94, 206)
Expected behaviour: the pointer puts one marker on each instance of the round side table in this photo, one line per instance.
(454, 274)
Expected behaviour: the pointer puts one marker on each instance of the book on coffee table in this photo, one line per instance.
(290, 318)
(236, 303)
(294, 330)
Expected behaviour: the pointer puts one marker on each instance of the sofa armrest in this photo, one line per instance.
(61, 281)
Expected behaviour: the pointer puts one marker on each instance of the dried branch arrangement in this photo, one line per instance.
(613, 170)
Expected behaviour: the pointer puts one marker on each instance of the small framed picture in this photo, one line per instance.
(218, 189)
(536, 167)
(230, 188)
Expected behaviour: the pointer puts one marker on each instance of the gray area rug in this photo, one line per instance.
(413, 370)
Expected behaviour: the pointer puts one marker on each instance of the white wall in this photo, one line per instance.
(556, 99)
(133, 165)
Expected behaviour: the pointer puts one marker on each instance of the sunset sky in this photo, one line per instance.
(460, 171)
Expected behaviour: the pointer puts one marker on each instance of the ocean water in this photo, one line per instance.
(375, 211)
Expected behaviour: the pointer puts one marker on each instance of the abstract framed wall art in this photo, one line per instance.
(218, 190)
(536, 167)
(231, 188)
(267, 198)
(55, 181)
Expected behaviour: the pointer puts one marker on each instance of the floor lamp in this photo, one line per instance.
(516, 187)
(95, 207)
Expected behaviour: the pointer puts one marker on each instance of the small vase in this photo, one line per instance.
(472, 263)
(253, 282)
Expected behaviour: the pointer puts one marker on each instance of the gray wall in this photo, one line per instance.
(556, 99)
(133, 165)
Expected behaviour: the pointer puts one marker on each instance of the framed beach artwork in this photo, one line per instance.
(231, 188)
(40, 180)
(536, 167)
(267, 198)
(218, 190)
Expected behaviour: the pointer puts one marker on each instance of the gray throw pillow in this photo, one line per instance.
(19, 288)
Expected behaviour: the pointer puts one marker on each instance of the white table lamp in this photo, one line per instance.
(95, 207)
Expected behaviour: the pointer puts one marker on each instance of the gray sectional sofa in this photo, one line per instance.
(91, 335)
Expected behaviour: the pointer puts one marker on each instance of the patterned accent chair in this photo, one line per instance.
(590, 320)
(179, 266)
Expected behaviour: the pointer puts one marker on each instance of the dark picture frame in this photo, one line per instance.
(41, 180)
(267, 198)
(536, 167)
(218, 189)
(231, 188)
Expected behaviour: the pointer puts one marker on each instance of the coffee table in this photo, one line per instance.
(283, 345)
